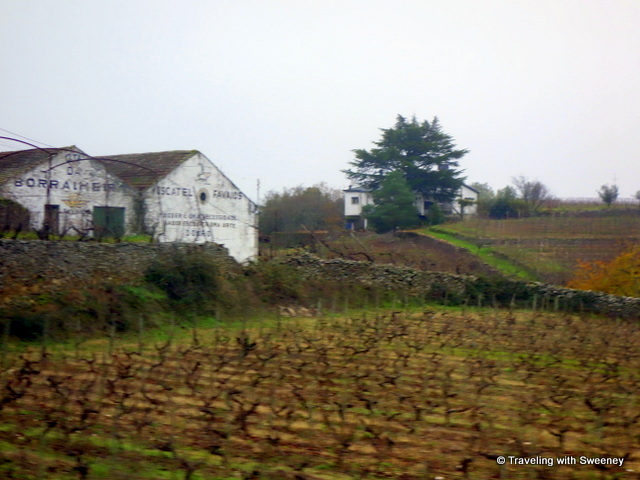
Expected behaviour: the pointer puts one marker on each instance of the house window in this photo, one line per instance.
(355, 200)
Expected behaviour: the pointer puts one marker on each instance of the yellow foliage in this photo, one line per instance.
(621, 276)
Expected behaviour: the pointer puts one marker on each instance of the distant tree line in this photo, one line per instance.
(526, 198)
(301, 209)
(522, 199)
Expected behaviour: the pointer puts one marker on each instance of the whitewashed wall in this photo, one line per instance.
(76, 184)
(355, 209)
(197, 203)
(468, 194)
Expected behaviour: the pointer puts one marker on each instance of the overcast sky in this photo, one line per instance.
(282, 91)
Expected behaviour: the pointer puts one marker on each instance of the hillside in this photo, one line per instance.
(407, 249)
(551, 247)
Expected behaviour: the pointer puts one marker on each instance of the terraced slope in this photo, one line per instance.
(551, 247)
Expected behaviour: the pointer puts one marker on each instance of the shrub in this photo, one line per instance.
(621, 276)
(80, 313)
(435, 215)
(275, 282)
(189, 279)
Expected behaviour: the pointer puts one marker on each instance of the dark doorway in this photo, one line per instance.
(51, 223)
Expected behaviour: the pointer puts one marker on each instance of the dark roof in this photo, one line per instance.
(470, 188)
(357, 189)
(12, 164)
(141, 170)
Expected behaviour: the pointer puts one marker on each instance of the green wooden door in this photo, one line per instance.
(108, 222)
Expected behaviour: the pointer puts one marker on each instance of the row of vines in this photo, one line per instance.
(388, 395)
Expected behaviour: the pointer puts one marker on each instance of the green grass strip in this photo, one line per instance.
(485, 254)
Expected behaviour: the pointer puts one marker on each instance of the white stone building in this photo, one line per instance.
(356, 198)
(184, 197)
(177, 196)
(65, 191)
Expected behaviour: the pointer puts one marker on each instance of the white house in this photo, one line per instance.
(465, 204)
(177, 196)
(355, 198)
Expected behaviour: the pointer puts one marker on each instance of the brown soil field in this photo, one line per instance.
(430, 394)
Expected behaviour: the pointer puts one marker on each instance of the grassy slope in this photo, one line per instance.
(484, 253)
(549, 248)
(381, 395)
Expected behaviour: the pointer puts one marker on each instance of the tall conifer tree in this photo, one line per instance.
(426, 156)
(393, 206)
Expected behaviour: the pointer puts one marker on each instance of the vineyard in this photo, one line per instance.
(430, 394)
(551, 247)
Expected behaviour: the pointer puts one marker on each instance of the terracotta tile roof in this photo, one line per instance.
(141, 170)
(14, 163)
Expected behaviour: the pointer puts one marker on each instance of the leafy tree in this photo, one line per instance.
(315, 208)
(532, 193)
(483, 189)
(464, 203)
(393, 205)
(524, 198)
(421, 151)
(486, 197)
(435, 215)
(608, 194)
(621, 276)
(637, 196)
(506, 204)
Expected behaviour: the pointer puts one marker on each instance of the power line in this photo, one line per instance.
(26, 138)
(8, 145)
(101, 160)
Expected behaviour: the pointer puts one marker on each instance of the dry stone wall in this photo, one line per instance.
(390, 277)
(497, 291)
(35, 267)
(40, 266)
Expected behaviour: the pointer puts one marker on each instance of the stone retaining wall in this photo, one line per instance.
(418, 282)
(390, 277)
(33, 267)
(37, 266)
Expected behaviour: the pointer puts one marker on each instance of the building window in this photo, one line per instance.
(355, 200)
(203, 195)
